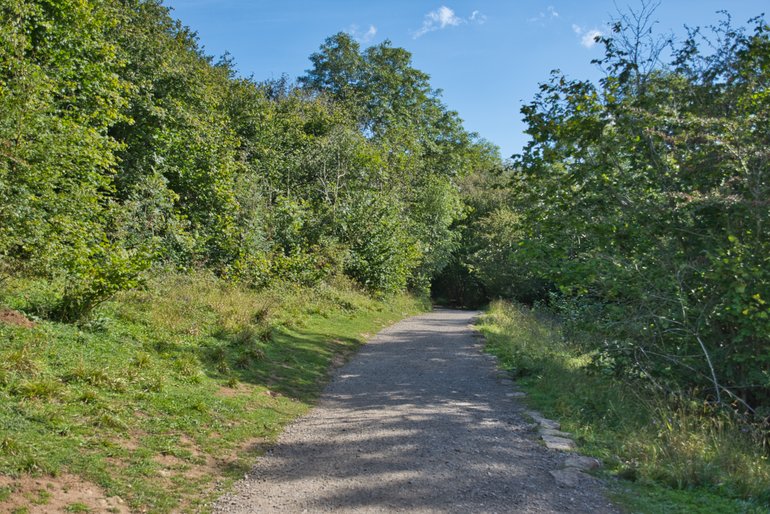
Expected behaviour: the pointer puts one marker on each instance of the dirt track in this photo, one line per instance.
(418, 421)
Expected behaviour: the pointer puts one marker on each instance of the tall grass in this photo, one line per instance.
(641, 435)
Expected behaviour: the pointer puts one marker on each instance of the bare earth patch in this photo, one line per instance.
(12, 317)
(45, 495)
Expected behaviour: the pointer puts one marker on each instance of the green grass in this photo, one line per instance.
(166, 391)
(663, 455)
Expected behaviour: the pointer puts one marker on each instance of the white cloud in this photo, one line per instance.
(589, 38)
(369, 34)
(444, 17)
(552, 12)
(364, 37)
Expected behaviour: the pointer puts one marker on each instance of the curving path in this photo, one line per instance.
(418, 421)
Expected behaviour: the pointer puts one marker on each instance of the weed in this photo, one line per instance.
(9, 446)
(108, 420)
(96, 376)
(153, 383)
(188, 366)
(21, 361)
(42, 497)
(39, 389)
(141, 360)
(88, 396)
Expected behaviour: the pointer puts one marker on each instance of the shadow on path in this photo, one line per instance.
(416, 422)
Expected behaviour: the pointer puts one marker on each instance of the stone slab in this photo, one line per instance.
(582, 463)
(544, 422)
(558, 443)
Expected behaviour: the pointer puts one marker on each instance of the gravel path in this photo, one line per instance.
(418, 421)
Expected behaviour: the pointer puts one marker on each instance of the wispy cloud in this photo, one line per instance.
(477, 17)
(587, 37)
(549, 13)
(444, 17)
(363, 37)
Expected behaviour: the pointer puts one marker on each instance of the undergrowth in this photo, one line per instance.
(669, 454)
(164, 392)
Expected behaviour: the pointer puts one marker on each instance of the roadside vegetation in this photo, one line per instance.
(170, 391)
(665, 453)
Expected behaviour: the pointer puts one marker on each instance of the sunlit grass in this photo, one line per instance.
(673, 452)
(165, 391)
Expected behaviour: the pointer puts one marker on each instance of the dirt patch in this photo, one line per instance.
(15, 318)
(168, 461)
(190, 445)
(43, 495)
(131, 443)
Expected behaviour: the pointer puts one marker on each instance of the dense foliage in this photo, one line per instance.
(640, 208)
(123, 146)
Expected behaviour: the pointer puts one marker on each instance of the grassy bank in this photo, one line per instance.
(165, 394)
(666, 455)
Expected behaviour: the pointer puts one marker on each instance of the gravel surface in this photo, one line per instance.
(419, 421)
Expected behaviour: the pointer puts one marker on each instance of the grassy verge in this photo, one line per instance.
(166, 393)
(665, 456)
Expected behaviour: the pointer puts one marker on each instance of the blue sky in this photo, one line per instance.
(487, 56)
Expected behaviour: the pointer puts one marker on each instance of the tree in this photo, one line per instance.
(643, 199)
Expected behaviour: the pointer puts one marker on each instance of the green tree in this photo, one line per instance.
(640, 198)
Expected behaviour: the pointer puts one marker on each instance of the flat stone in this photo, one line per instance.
(544, 422)
(516, 394)
(556, 433)
(506, 381)
(582, 463)
(566, 477)
(549, 423)
(558, 443)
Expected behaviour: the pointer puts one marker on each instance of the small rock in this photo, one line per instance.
(566, 477)
(558, 443)
(582, 463)
(516, 394)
